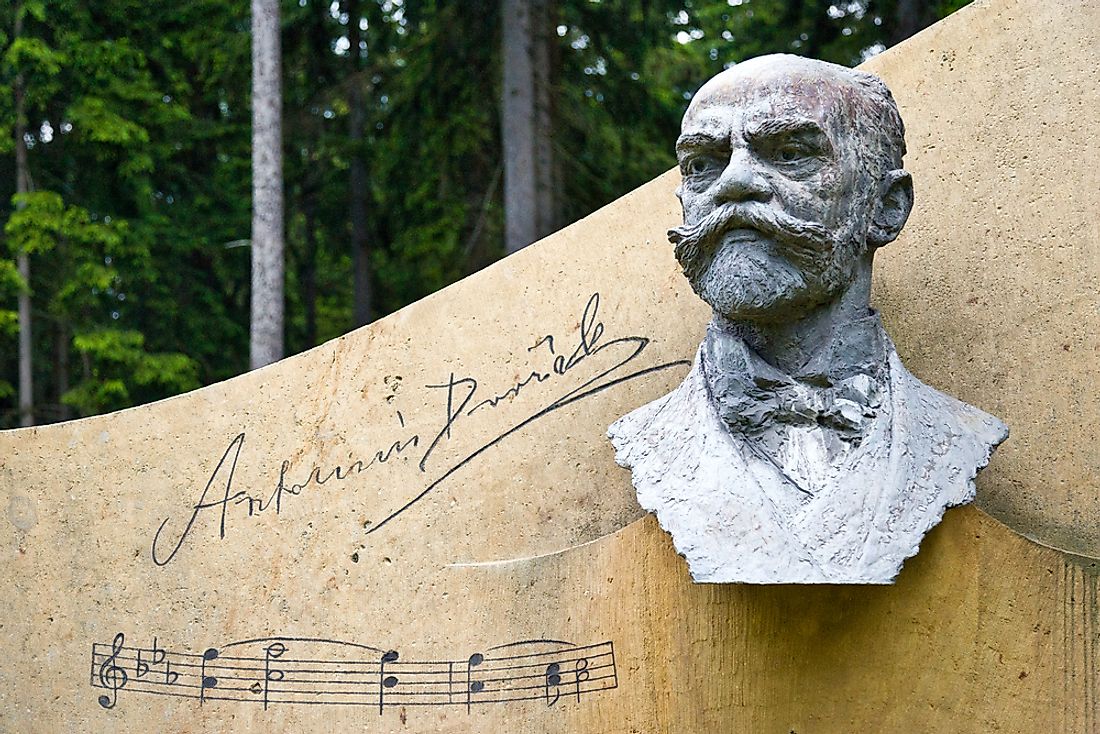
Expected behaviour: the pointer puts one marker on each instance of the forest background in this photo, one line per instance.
(125, 173)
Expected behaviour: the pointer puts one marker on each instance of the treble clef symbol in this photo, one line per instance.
(111, 676)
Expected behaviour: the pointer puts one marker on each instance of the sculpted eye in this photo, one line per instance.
(790, 153)
(700, 164)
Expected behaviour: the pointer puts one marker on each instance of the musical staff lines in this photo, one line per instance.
(279, 671)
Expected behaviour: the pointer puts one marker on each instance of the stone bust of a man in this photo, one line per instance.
(798, 449)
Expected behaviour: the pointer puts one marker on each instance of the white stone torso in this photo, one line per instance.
(738, 514)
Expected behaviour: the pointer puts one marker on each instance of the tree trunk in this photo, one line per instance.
(526, 122)
(267, 187)
(357, 185)
(23, 263)
(547, 175)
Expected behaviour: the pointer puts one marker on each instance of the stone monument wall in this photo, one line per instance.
(418, 527)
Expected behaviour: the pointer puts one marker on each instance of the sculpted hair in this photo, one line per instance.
(876, 110)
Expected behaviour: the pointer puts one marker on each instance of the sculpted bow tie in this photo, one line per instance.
(752, 396)
(846, 408)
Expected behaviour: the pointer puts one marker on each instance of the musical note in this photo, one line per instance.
(582, 674)
(385, 681)
(473, 686)
(111, 676)
(274, 651)
(552, 679)
(206, 681)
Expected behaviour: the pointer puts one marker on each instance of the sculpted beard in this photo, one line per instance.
(739, 278)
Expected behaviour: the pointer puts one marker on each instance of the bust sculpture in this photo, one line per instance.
(798, 449)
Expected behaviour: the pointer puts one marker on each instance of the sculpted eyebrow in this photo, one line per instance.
(783, 126)
(698, 140)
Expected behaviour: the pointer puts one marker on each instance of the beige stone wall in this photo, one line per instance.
(517, 524)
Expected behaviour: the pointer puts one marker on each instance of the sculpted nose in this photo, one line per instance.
(742, 181)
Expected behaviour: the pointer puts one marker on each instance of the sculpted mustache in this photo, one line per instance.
(803, 239)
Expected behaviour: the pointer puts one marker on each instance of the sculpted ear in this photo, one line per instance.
(893, 208)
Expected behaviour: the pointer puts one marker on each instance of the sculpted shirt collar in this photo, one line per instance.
(841, 386)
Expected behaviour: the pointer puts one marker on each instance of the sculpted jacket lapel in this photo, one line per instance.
(836, 523)
(920, 459)
(729, 528)
(939, 445)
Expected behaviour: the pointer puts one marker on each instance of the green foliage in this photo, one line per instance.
(41, 220)
(32, 55)
(141, 177)
(125, 373)
(42, 223)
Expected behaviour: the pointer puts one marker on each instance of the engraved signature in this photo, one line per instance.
(464, 398)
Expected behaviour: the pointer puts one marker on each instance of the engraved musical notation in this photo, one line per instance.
(303, 670)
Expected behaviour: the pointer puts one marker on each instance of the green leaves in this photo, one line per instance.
(41, 220)
(36, 223)
(33, 55)
(35, 9)
(124, 372)
(99, 123)
(138, 147)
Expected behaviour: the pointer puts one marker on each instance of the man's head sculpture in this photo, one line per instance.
(792, 177)
(798, 449)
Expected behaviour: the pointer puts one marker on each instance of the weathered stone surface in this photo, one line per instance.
(983, 631)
